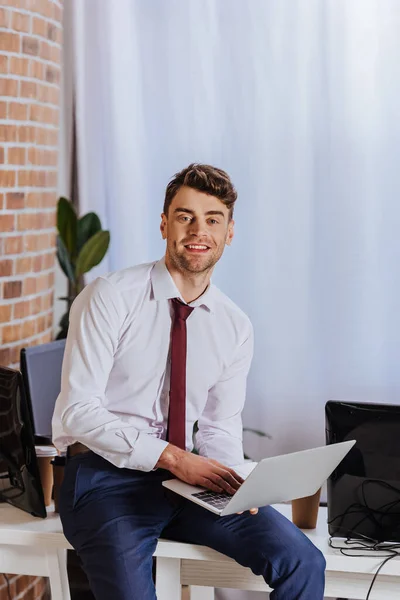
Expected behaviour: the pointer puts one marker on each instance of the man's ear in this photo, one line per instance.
(163, 226)
(230, 233)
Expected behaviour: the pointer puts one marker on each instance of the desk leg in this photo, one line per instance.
(168, 578)
(197, 592)
(59, 586)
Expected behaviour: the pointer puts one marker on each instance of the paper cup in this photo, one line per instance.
(58, 464)
(305, 511)
(46, 477)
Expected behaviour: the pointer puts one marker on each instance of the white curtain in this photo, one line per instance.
(299, 102)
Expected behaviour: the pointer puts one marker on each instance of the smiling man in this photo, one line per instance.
(151, 350)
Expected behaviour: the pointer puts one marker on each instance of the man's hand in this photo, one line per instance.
(198, 470)
(252, 511)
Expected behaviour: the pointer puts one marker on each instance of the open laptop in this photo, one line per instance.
(276, 479)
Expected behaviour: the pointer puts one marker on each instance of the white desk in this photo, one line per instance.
(34, 546)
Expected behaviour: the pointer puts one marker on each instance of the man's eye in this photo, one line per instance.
(213, 221)
(184, 218)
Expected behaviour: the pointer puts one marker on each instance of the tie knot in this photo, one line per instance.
(182, 311)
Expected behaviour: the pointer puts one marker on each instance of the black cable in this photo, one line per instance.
(367, 544)
(8, 586)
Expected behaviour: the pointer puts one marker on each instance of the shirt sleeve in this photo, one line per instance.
(220, 432)
(96, 318)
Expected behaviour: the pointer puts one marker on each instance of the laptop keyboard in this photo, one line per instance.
(213, 498)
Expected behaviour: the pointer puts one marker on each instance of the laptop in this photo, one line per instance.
(41, 372)
(276, 479)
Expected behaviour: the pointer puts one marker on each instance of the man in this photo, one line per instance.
(152, 349)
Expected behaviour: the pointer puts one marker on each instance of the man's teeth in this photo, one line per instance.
(195, 247)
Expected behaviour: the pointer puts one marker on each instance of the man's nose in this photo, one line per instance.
(197, 227)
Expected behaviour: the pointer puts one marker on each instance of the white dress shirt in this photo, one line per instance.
(115, 375)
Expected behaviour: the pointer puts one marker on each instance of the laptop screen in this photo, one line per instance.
(41, 370)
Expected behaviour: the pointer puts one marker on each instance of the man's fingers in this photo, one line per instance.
(230, 479)
(222, 483)
(236, 476)
(254, 511)
(210, 485)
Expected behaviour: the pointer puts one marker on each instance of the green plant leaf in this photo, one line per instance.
(67, 225)
(64, 260)
(87, 226)
(92, 252)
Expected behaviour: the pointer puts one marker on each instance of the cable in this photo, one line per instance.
(367, 544)
(8, 586)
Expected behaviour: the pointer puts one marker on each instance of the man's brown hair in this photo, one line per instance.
(203, 178)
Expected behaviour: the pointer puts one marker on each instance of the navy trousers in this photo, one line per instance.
(113, 518)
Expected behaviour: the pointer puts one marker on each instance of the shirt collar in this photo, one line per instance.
(164, 288)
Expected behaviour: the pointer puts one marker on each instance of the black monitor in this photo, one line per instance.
(364, 490)
(19, 473)
(41, 372)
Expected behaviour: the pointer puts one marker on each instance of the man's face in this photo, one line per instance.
(196, 229)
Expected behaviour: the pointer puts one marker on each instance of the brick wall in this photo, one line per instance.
(30, 59)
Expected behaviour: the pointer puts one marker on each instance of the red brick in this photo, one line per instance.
(12, 289)
(6, 223)
(3, 110)
(4, 18)
(23, 265)
(3, 63)
(7, 178)
(36, 305)
(21, 22)
(29, 286)
(5, 361)
(1, 155)
(37, 70)
(6, 268)
(39, 27)
(29, 328)
(8, 87)
(19, 66)
(22, 309)
(16, 156)
(41, 324)
(8, 133)
(28, 89)
(15, 200)
(18, 111)
(26, 133)
(9, 42)
(30, 46)
(13, 245)
(5, 315)
(12, 333)
(52, 74)
(36, 112)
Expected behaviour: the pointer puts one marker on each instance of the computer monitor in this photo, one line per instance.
(41, 372)
(363, 493)
(19, 473)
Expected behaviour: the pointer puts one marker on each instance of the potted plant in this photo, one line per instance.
(81, 245)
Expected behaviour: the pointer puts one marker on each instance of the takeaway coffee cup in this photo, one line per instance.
(305, 511)
(58, 463)
(44, 455)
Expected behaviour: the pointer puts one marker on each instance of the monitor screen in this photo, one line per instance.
(41, 371)
(19, 474)
(364, 490)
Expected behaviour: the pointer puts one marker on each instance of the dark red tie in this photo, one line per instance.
(177, 394)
